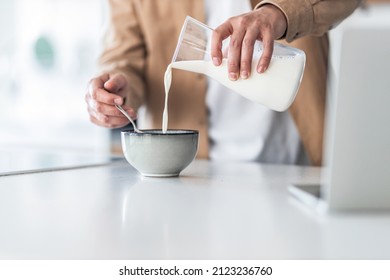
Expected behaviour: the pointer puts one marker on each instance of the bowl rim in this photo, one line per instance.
(170, 132)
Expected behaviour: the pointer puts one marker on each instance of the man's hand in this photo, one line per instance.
(104, 92)
(267, 24)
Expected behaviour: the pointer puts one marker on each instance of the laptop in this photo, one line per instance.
(356, 173)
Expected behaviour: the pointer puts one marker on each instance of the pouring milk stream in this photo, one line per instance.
(276, 88)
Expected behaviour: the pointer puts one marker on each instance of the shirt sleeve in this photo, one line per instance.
(312, 17)
(124, 49)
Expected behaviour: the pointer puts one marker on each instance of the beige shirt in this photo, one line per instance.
(142, 37)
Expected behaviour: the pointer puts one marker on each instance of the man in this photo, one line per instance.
(140, 44)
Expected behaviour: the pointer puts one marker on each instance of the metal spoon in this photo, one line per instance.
(119, 107)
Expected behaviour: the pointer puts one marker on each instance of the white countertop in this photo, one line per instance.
(213, 211)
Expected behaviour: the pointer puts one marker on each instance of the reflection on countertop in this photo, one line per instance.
(20, 160)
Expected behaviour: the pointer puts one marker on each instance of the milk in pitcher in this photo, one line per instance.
(276, 88)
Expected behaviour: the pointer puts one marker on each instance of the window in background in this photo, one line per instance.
(48, 52)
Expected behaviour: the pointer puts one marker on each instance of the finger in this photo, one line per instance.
(115, 83)
(219, 34)
(97, 117)
(103, 96)
(110, 123)
(108, 110)
(94, 120)
(105, 120)
(130, 111)
(112, 111)
(268, 48)
(234, 56)
(247, 53)
(115, 122)
(98, 82)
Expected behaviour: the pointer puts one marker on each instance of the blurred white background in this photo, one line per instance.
(48, 52)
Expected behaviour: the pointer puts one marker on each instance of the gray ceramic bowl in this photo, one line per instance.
(156, 154)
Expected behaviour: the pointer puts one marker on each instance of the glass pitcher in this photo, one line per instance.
(276, 88)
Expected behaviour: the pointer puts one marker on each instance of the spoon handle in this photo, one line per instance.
(128, 116)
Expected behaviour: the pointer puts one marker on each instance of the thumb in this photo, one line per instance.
(115, 83)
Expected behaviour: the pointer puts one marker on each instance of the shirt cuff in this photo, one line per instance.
(299, 15)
